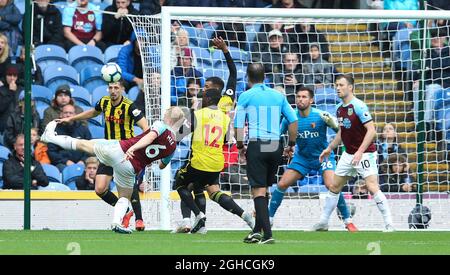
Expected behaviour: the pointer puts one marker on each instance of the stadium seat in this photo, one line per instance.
(41, 94)
(91, 77)
(133, 93)
(97, 120)
(55, 76)
(97, 132)
(54, 186)
(220, 72)
(112, 52)
(41, 109)
(237, 54)
(192, 31)
(203, 56)
(52, 173)
(71, 173)
(82, 55)
(154, 55)
(49, 55)
(98, 93)
(80, 95)
(4, 153)
(137, 130)
(325, 96)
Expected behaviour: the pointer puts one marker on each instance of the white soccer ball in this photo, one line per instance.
(111, 72)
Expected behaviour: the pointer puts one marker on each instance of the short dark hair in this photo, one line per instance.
(310, 92)
(214, 96)
(217, 82)
(347, 77)
(255, 73)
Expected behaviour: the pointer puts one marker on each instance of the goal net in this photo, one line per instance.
(401, 68)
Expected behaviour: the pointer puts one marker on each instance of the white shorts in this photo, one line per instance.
(111, 154)
(367, 166)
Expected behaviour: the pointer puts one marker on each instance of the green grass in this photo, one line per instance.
(222, 243)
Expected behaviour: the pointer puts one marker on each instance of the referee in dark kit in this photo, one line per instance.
(262, 109)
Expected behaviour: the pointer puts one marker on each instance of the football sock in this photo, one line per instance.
(262, 216)
(275, 201)
(227, 203)
(66, 142)
(185, 210)
(186, 196)
(120, 209)
(136, 203)
(200, 200)
(331, 200)
(109, 197)
(342, 206)
(383, 206)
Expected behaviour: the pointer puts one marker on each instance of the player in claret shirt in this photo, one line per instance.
(357, 132)
(127, 157)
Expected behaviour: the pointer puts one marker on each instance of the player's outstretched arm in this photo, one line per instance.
(81, 116)
(144, 141)
(330, 120)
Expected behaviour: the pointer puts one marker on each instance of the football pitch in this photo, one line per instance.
(222, 243)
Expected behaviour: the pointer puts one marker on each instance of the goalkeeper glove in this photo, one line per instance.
(330, 120)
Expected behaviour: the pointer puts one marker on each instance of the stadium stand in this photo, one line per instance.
(82, 55)
(52, 173)
(55, 76)
(91, 77)
(48, 55)
(71, 173)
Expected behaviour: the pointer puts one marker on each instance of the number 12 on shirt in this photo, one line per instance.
(210, 140)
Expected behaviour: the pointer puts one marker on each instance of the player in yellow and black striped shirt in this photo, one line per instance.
(120, 115)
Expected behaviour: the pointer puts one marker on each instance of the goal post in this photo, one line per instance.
(355, 49)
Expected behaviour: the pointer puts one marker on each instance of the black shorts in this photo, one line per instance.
(104, 170)
(263, 159)
(199, 178)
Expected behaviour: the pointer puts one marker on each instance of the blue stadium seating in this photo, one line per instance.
(41, 109)
(4, 153)
(154, 55)
(52, 173)
(137, 130)
(91, 77)
(97, 120)
(112, 52)
(325, 96)
(49, 55)
(55, 76)
(98, 93)
(82, 55)
(192, 31)
(203, 57)
(97, 132)
(71, 173)
(133, 93)
(54, 186)
(251, 31)
(80, 95)
(41, 94)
